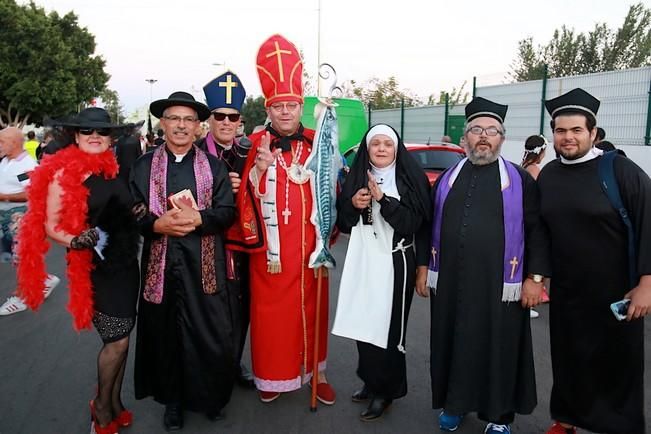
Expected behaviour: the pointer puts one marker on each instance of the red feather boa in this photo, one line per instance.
(74, 166)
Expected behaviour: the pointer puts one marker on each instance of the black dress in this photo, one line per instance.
(116, 278)
(384, 371)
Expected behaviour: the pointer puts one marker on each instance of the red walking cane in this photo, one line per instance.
(315, 362)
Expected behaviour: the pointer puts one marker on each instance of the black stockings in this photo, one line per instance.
(111, 362)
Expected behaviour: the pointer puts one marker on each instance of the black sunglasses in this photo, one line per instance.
(101, 131)
(233, 117)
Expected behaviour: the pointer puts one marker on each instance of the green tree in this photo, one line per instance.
(253, 112)
(112, 105)
(381, 94)
(602, 49)
(456, 96)
(47, 64)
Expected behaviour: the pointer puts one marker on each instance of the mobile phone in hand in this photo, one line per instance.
(620, 308)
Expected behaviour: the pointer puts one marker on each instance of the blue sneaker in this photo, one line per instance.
(449, 422)
(493, 428)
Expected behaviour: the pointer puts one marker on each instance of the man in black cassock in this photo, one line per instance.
(184, 348)
(127, 150)
(597, 361)
(486, 266)
(225, 96)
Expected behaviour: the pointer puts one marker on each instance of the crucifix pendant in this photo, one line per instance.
(286, 213)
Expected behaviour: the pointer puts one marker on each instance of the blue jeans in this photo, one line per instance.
(9, 223)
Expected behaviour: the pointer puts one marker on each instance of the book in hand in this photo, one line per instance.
(184, 197)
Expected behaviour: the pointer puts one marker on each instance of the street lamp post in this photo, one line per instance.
(151, 82)
(220, 64)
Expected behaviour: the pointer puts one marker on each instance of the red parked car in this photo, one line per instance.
(435, 158)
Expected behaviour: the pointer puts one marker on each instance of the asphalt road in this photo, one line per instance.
(48, 375)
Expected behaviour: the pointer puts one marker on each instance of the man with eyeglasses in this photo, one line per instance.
(274, 209)
(225, 96)
(484, 271)
(184, 349)
(598, 258)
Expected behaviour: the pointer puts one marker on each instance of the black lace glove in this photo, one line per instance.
(139, 210)
(85, 240)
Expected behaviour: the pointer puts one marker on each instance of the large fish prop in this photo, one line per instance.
(324, 165)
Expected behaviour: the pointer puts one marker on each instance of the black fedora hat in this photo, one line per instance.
(91, 117)
(179, 98)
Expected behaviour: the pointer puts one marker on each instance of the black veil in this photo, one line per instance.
(411, 180)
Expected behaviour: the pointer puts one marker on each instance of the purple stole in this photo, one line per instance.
(513, 210)
(155, 275)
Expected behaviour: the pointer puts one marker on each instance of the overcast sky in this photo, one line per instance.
(428, 45)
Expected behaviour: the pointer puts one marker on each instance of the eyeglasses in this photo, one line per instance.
(101, 131)
(233, 117)
(280, 106)
(178, 119)
(490, 131)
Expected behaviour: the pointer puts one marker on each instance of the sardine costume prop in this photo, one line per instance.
(324, 164)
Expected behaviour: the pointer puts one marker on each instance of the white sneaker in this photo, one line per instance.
(494, 428)
(50, 283)
(533, 314)
(12, 305)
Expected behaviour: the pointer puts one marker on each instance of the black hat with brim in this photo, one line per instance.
(179, 98)
(575, 101)
(480, 107)
(91, 117)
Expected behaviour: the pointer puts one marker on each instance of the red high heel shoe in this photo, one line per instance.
(124, 419)
(111, 428)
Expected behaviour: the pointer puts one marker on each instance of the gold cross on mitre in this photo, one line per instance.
(278, 54)
(229, 85)
(514, 263)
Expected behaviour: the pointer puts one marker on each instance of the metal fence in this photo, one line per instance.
(625, 112)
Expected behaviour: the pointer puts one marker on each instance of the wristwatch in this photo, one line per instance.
(537, 278)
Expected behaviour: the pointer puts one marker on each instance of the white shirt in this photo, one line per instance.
(10, 171)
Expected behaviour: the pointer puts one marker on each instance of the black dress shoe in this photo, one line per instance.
(376, 409)
(245, 379)
(173, 417)
(361, 395)
(215, 415)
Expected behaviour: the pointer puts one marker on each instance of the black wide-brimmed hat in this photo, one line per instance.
(479, 107)
(179, 98)
(91, 117)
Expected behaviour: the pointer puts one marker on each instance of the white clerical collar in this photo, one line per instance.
(591, 155)
(179, 157)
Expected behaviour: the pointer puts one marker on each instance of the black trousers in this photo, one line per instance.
(505, 419)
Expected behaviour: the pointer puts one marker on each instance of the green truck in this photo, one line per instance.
(351, 118)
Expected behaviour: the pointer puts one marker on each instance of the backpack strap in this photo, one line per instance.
(608, 182)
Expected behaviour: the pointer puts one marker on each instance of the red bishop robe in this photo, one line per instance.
(283, 305)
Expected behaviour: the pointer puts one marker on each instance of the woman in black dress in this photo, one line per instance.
(385, 201)
(78, 201)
